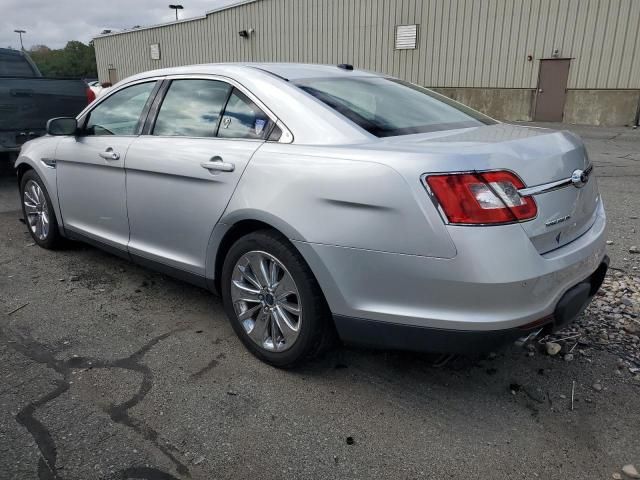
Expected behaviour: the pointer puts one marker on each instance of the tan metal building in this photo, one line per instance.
(571, 60)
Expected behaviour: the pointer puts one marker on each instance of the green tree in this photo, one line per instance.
(74, 60)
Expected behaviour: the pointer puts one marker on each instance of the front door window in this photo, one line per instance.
(120, 113)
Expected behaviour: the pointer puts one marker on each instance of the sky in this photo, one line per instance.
(55, 22)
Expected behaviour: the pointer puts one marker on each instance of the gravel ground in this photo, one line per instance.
(112, 371)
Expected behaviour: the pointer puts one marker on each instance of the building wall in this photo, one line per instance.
(590, 107)
(602, 107)
(512, 104)
(462, 44)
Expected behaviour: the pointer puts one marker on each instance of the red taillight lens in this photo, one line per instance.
(91, 96)
(482, 197)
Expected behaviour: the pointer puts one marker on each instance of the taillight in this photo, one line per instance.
(482, 197)
(91, 96)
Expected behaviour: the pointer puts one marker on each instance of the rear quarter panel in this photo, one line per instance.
(317, 195)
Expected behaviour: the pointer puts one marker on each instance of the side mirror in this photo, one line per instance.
(62, 126)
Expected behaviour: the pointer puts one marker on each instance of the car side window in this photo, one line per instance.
(191, 108)
(120, 113)
(243, 119)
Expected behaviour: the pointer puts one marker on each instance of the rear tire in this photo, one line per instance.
(273, 301)
(38, 212)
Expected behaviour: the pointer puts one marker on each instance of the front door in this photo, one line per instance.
(552, 90)
(90, 167)
(181, 176)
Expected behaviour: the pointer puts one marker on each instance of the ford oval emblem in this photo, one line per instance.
(579, 178)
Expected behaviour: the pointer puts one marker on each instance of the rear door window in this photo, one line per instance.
(191, 108)
(243, 119)
(119, 114)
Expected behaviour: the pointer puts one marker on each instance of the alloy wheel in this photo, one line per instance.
(36, 210)
(266, 301)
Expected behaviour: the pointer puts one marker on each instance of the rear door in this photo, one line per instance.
(90, 166)
(182, 173)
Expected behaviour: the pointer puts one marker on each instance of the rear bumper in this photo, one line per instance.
(393, 336)
(497, 282)
(376, 334)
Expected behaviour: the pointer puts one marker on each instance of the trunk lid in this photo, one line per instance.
(540, 157)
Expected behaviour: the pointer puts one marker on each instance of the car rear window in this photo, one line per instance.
(388, 107)
(15, 65)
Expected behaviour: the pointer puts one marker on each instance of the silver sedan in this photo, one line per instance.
(323, 200)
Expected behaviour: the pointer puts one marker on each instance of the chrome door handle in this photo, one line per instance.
(109, 154)
(216, 164)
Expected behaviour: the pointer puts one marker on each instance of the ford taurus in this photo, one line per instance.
(323, 199)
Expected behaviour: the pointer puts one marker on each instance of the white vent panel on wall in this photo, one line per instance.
(406, 37)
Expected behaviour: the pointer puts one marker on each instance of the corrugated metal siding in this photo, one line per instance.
(461, 43)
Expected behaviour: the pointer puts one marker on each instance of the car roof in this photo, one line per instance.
(284, 71)
(297, 71)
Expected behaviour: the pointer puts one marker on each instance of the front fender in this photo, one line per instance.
(39, 155)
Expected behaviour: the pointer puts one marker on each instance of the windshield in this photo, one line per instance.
(388, 107)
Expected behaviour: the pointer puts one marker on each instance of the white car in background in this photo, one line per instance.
(98, 88)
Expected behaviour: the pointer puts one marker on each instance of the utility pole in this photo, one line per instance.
(20, 32)
(176, 8)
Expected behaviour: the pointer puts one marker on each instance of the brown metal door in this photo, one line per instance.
(552, 90)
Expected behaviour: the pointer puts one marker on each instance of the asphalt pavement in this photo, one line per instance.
(111, 371)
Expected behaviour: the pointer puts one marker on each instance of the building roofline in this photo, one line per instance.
(185, 20)
(238, 3)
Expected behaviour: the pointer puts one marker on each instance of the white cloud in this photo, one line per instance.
(54, 23)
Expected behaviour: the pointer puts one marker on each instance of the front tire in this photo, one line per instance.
(273, 301)
(38, 212)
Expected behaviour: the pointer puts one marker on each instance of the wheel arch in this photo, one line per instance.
(21, 169)
(228, 237)
(234, 226)
(48, 175)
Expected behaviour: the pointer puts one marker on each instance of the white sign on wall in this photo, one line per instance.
(155, 51)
